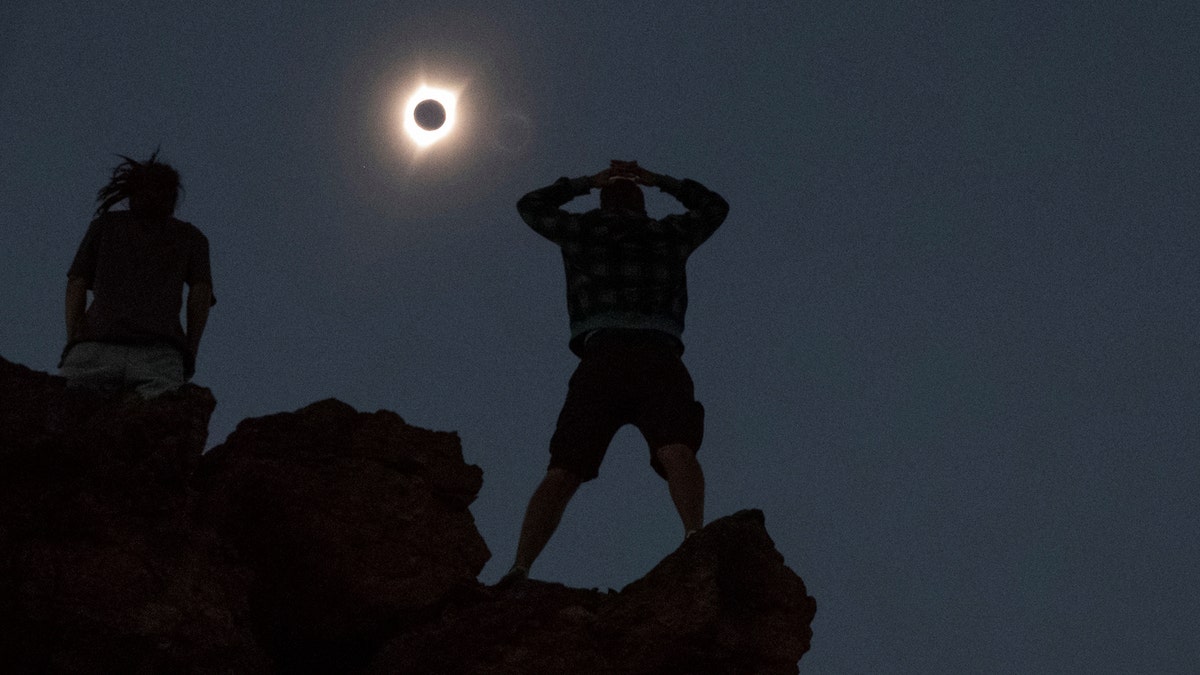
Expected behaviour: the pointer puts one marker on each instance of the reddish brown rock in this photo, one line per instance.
(722, 603)
(101, 567)
(324, 540)
(353, 523)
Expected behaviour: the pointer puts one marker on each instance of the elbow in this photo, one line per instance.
(720, 209)
(527, 207)
(77, 289)
(200, 295)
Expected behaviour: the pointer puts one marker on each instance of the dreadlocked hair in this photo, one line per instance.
(152, 187)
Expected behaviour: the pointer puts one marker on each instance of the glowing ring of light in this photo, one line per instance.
(426, 137)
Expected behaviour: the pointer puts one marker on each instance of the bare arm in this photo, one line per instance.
(76, 304)
(198, 301)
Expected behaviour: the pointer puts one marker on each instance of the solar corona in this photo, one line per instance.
(429, 115)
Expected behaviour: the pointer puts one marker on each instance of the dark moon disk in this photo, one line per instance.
(429, 114)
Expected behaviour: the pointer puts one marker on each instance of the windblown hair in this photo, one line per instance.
(152, 187)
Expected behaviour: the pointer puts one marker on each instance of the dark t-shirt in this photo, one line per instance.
(136, 269)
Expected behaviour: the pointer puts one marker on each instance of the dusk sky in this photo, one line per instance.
(947, 338)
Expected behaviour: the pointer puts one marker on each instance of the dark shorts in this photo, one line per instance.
(626, 377)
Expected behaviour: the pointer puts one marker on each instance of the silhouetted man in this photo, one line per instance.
(626, 299)
(136, 263)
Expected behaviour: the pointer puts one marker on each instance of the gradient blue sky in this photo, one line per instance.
(947, 338)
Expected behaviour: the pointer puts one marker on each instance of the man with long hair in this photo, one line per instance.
(136, 262)
(626, 299)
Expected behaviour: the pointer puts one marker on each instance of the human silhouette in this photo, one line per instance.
(136, 263)
(626, 299)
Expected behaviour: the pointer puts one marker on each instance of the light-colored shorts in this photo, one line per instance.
(151, 370)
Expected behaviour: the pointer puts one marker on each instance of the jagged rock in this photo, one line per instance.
(352, 522)
(101, 566)
(722, 603)
(324, 540)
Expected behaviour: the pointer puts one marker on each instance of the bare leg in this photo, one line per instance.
(685, 480)
(545, 510)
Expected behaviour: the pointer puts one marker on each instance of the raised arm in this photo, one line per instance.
(706, 210)
(541, 210)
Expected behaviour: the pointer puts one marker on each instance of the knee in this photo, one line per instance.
(677, 456)
(561, 480)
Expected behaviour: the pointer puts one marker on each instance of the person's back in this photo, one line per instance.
(626, 301)
(138, 267)
(136, 263)
(623, 268)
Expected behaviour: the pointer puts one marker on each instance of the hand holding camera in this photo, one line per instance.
(624, 170)
(631, 171)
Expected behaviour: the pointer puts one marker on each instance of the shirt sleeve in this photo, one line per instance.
(84, 264)
(706, 210)
(540, 209)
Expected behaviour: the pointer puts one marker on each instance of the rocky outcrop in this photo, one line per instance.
(324, 540)
(102, 567)
(354, 524)
(722, 603)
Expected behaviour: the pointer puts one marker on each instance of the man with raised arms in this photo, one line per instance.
(626, 299)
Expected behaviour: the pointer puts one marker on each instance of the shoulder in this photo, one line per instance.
(186, 230)
(106, 222)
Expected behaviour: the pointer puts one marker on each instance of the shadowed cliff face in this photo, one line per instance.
(353, 523)
(324, 540)
(103, 567)
(722, 603)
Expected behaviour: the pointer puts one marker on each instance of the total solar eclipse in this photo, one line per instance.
(430, 115)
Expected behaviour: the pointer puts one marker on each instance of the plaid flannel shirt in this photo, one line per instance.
(624, 269)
